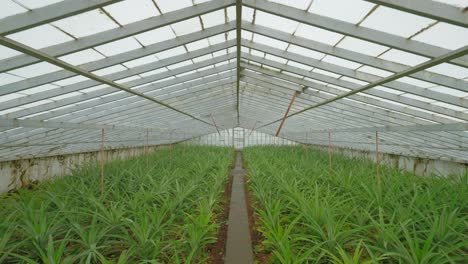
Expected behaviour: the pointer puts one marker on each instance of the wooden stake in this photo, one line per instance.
(287, 112)
(102, 161)
(147, 149)
(170, 147)
(329, 152)
(377, 161)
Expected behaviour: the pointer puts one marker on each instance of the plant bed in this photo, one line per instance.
(166, 212)
(308, 215)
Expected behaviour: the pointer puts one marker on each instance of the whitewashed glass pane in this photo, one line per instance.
(86, 24)
(126, 12)
(41, 37)
(351, 11)
(444, 35)
(403, 24)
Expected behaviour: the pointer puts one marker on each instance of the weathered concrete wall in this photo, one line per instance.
(416, 165)
(18, 173)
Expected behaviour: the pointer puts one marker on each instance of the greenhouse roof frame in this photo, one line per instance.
(179, 65)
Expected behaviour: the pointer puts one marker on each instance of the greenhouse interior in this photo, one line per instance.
(234, 131)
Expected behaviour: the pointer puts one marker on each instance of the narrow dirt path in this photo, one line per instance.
(239, 244)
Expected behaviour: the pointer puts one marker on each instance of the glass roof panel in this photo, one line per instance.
(109, 70)
(257, 53)
(203, 43)
(170, 53)
(444, 35)
(457, 3)
(40, 37)
(8, 97)
(276, 22)
(327, 73)
(35, 70)
(446, 90)
(155, 35)
(180, 64)
(203, 58)
(6, 78)
(41, 88)
(403, 57)
(270, 42)
(70, 80)
(247, 14)
(306, 52)
(346, 78)
(86, 24)
(153, 72)
(299, 65)
(82, 57)
(118, 46)
(187, 26)
(450, 70)
(341, 62)
(213, 18)
(299, 4)
(275, 58)
(131, 78)
(351, 11)
(388, 90)
(141, 61)
(126, 12)
(318, 34)
(216, 39)
(8, 53)
(449, 106)
(169, 6)
(362, 46)
(416, 82)
(375, 71)
(403, 24)
(10, 8)
(32, 4)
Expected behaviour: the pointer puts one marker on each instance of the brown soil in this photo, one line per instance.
(217, 250)
(260, 256)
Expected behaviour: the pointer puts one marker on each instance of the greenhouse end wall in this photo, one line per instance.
(19, 173)
(416, 165)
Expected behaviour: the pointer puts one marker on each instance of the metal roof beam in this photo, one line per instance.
(49, 13)
(117, 59)
(45, 57)
(107, 90)
(355, 87)
(431, 9)
(352, 110)
(427, 76)
(117, 76)
(447, 57)
(349, 29)
(366, 77)
(117, 33)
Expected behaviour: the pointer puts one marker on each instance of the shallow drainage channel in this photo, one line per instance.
(239, 244)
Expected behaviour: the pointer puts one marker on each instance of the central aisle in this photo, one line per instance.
(239, 244)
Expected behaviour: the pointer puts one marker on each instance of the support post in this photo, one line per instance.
(147, 149)
(214, 123)
(102, 161)
(377, 161)
(307, 145)
(329, 152)
(287, 112)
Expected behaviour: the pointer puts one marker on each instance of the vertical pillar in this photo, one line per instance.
(377, 161)
(102, 161)
(329, 152)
